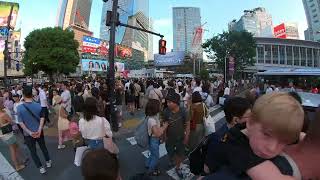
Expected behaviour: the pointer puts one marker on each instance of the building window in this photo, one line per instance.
(282, 54)
(314, 10)
(260, 54)
(289, 55)
(316, 21)
(275, 54)
(309, 57)
(268, 54)
(316, 56)
(303, 56)
(312, 5)
(296, 56)
(314, 16)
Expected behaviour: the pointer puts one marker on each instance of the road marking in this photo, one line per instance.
(185, 170)
(7, 171)
(218, 116)
(132, 140)
(162, 151)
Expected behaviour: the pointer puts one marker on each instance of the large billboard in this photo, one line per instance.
(94, 65)
(170, 59)
(5, 8)
(95, 46)
(280, 31)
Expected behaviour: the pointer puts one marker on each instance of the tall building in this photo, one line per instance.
(312, 10)
(256, 21)
(74, 13)
(134, 13)
(186, 20)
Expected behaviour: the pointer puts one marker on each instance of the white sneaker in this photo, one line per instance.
(49, 164)
(120, 125)
(42, 170)
(62, 146)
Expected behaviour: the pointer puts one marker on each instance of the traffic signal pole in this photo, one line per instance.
(111, 88)
(113, 23)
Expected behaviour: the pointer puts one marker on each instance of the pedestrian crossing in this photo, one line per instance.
(217, 114)
(7, 171)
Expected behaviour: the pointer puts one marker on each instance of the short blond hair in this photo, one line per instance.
(281, 113)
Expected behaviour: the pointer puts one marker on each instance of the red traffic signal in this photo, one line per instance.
(162, 47)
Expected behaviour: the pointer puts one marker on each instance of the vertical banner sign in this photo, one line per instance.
(231, 65)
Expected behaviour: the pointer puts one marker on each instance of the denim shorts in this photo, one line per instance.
(11, 140)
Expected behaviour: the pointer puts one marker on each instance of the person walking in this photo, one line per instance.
(155, 131)
(137, 90)
(31, 119)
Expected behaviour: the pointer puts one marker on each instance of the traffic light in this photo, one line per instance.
(162, 47)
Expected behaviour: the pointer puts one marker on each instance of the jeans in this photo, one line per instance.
(31, 143)
(152, 161)
(95, 144)
(46, 114)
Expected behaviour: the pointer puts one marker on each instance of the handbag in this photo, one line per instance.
(80, 153)
(208, 121)
(6, 129)
(63, 123)
(108, 142)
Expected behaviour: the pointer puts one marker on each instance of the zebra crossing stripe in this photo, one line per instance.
(7, 171)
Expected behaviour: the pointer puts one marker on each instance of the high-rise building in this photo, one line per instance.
(256, 21)
(134, 13)
(74, 13)
(186, 20)
(312, 10)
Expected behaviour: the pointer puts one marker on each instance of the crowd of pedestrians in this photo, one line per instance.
(255, 141)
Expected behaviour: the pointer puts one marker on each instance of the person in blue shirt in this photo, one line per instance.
(31, 119)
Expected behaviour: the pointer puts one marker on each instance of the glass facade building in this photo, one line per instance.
(185, 22)
(74, 12)
(274, 52)
(134, 13)
(312, 10)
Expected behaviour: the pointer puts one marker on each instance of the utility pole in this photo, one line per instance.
(111, 77)
(6, 51)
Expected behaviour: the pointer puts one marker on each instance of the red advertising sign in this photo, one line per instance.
(280, 31)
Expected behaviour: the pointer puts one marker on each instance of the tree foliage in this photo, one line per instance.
(204, 74)
(240, 45)
(51, 50)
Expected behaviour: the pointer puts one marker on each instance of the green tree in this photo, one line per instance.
(204, 74)
(241, 45)
(51, 50)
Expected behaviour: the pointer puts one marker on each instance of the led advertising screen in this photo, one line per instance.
(95, 46)
(280, 31)
(5, 8)
(170, 59)
(94, 65)
(123, 52)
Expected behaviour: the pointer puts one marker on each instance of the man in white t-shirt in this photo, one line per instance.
(44, 102)
(66, 97)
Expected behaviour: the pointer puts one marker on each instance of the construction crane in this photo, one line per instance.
(83, 22)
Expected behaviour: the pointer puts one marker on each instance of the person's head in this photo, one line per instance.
(90, 64)
(54, 92)
(198, 82)
(90, 108)
(276, 121)
(16, 98)
(237, 110)
(64, 85)
(152, 107)
(27, 91)
(100, 165)
(173, 100)
(97, 65)
(196, 97)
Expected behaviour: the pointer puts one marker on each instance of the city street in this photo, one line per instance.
(131, 156)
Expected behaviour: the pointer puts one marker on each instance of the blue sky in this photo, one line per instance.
(35, 14)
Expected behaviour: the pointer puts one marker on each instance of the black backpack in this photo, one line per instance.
(78, 103)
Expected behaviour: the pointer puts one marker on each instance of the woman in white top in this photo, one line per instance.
(155, 131)
(92, 127)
